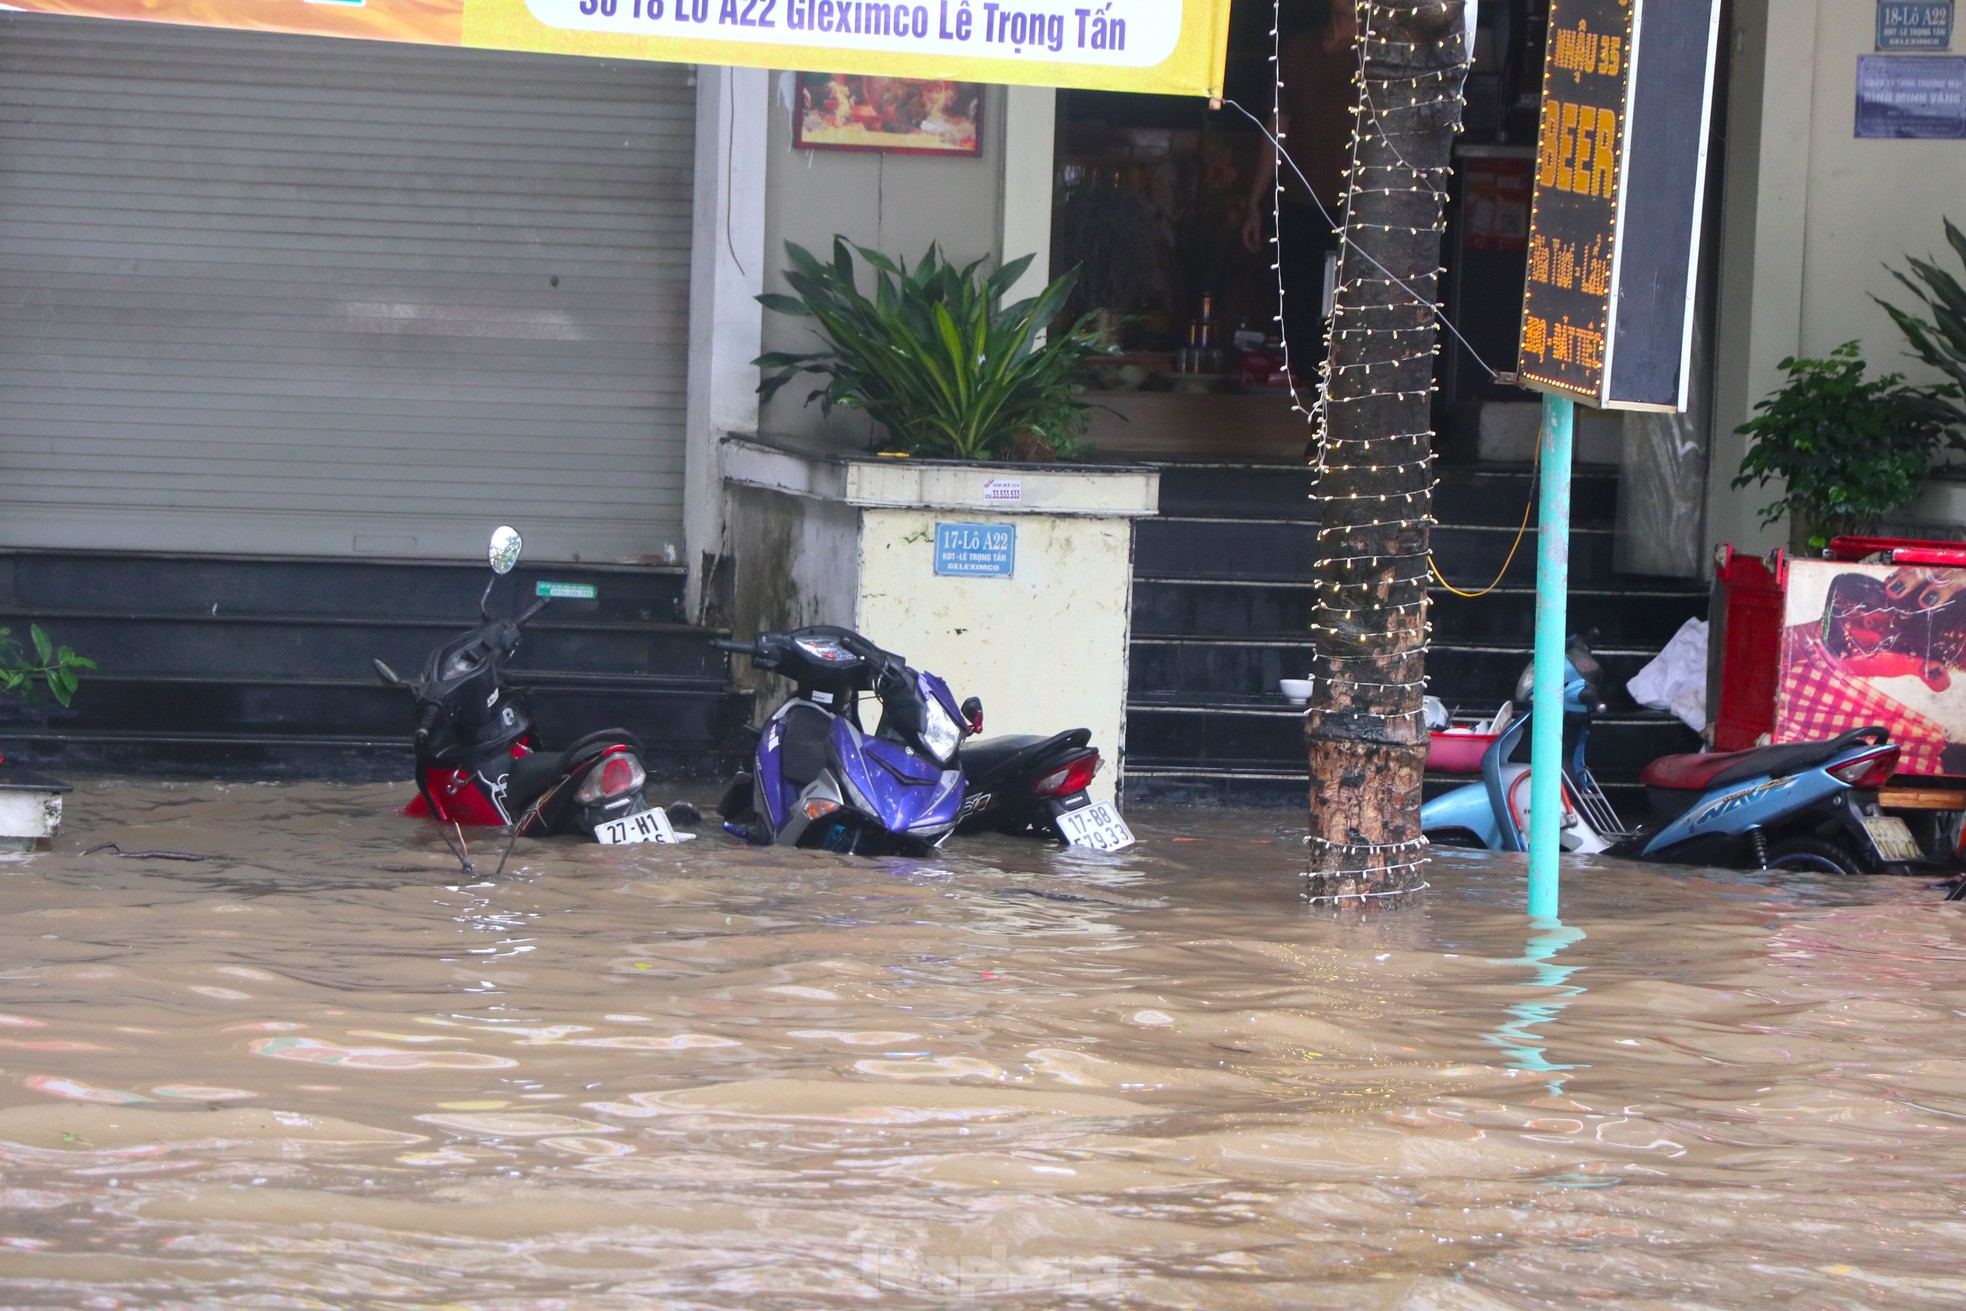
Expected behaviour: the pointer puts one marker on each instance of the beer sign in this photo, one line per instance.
(1614, 223)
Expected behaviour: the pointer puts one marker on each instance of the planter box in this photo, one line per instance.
(30, 808)
(1012, 581)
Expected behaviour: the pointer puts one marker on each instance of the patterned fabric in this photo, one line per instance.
(1820, 698)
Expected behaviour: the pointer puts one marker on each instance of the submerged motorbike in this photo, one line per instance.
(478, 762)
(1027, 784)
(1799, 805)
(819, 779)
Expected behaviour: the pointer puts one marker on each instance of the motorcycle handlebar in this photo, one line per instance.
(726, 644)
(530, 611)
(428, 720)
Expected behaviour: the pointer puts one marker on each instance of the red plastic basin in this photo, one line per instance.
(1457, 751)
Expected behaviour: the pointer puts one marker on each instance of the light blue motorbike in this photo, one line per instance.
(1799, 805)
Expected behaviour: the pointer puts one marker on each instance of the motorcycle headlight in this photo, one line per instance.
(941, 734)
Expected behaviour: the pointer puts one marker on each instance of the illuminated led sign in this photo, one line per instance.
(1614, 225)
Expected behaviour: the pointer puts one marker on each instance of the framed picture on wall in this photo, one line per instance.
(898, 115)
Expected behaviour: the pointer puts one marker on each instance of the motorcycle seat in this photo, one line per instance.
(1697, 773)
(986, 760)
(530, 776)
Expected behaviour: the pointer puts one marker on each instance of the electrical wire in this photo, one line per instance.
(1366, 255)
(1535, 473)
(1284, 157)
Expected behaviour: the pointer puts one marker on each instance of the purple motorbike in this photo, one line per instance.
(819, 779)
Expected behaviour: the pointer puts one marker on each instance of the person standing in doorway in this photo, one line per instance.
(1316, 64)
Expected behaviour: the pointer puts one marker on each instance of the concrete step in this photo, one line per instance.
(68, 582)
(1269, 735)
(1286, 550)
(1493, 495)
(1465, 676)
(228, 645)
(1153, 785)
(564, 707)
(1625, 611)
(339, 759)
(680, 718)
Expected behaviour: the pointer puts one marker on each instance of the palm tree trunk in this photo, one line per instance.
(1366, 738)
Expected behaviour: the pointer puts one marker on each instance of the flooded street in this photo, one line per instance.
(325, 1069)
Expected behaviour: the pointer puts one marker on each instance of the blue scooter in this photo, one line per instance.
(819, 779)
(1799, 805)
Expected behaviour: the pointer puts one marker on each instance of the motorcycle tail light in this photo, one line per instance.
(1074, 776)
(617, 772)
(1870, 770)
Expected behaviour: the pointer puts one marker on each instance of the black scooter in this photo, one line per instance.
(1026, 784)
(478, 763)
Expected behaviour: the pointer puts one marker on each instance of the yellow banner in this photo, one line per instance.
(1168, 46)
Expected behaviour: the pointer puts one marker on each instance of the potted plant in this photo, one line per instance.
(1850, 449)
(1940, 339)
(30, 805)
(935, 356)
(53, 665)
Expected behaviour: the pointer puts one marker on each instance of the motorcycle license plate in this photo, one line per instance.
(1892, 837)
(646, 826)
(1097, 825)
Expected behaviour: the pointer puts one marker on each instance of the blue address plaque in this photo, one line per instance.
(1914, 24)
(975, 550)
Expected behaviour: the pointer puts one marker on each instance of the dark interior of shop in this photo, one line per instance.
(1152, 192)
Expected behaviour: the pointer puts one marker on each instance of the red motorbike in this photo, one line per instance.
(479, 763)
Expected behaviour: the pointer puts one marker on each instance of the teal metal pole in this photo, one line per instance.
(1552, 595)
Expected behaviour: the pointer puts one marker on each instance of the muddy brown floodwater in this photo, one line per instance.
(324, 1069)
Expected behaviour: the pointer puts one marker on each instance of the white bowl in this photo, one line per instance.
(1297, 689)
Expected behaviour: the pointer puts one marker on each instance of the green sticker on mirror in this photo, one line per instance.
(566, 591)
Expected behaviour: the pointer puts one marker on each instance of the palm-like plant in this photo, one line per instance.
(935, 356)
(1939, 340)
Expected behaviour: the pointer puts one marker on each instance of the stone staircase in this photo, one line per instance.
(1222, 607)
(254, 667)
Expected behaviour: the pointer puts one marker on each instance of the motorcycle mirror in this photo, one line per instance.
(388, 676)
(973, 712)
(505, 544)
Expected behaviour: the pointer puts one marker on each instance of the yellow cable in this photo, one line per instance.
(1534, 464)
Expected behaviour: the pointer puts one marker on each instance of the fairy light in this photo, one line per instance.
(1409, 844)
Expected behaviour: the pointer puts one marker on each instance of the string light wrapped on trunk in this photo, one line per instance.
(1372, 448)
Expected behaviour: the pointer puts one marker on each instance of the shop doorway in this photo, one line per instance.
(1152, 196)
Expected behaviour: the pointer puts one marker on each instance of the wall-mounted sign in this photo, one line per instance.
(975, 550)
(1620, 180)
(1920, 25)
(1004, 489)
(566, 591)
(1918, 97)
(1169, 46)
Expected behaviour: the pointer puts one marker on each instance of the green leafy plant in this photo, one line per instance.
(1940, 339)
(1851, 449)
(53, 665)
(935, 356)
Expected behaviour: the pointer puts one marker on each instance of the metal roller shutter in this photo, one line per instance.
(275, 294)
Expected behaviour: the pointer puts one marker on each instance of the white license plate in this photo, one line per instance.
(1097, 825)
(647, 826)
(1892, 837)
